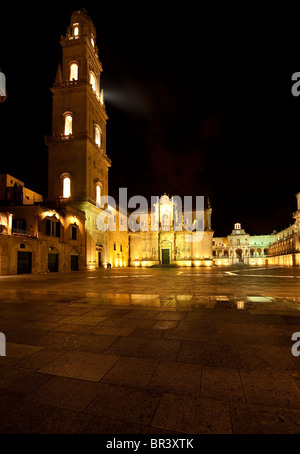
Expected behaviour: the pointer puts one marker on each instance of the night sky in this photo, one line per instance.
(199, 103)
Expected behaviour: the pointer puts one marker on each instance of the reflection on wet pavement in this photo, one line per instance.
(179, 301)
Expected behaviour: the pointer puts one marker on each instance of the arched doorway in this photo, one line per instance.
(239, 255)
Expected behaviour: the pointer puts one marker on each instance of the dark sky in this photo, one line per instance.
(199, 102)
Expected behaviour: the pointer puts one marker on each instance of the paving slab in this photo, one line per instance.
(124, 403)
(193, 415)
(134, 372)
(81, 365)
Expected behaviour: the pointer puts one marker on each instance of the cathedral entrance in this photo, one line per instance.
(165, 255)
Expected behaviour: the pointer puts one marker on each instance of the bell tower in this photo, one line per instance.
(77, 147)
(77, 161)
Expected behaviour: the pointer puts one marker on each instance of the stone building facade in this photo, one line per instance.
(41, 238)
(167, 240)
(283, 251)
(241, 248)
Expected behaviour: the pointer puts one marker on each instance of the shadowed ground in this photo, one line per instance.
(162, 350)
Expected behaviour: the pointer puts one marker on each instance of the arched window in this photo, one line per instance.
(66, 187)
(98, 194)
(68, 125)
(93, 81)
(76, 30)
(97, 135)
(74, 71)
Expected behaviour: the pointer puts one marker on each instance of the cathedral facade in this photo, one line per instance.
(171, 241)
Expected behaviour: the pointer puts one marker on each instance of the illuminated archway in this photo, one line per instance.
(66, 185)
(68, 126)
(74, 71)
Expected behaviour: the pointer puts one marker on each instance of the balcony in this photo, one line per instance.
(20, 232)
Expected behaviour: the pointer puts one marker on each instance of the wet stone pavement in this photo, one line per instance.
(152, 351)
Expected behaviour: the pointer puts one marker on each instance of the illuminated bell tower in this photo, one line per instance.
(78, 164)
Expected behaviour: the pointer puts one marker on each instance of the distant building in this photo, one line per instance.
(241, 248)
(13, 191)
(285, 250)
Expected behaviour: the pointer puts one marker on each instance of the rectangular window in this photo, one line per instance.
(115, 247)
(121, 249)
(74, 233)
(53, 228)
(57, 230)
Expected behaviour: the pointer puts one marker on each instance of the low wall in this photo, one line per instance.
(191, 263)
(252, 261)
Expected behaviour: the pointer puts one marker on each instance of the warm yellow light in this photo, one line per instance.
(68, 125)
(240, 305)
(98, 194)
(93, 81)
(97, 136)
(74, 71)
(197, 262)
(66, 187)
(92, 41)
(76, 31)
(145, 263)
